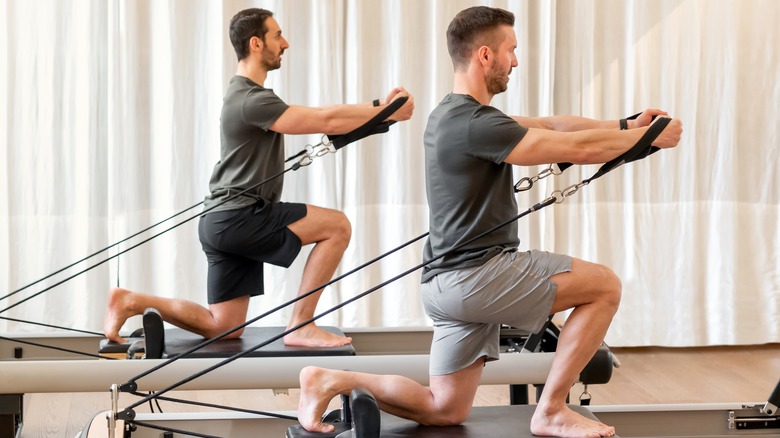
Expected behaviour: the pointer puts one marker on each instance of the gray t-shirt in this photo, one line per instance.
(469, 187)
(250, 152)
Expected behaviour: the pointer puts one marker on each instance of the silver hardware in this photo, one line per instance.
(527, 182)
(311, 152)
(585, 394)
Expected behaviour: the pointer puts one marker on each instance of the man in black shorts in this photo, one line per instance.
(240, 234)
(470, 150)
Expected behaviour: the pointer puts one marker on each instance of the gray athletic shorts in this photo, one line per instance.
(469, 305)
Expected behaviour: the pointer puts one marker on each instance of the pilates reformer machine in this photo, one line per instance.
(359, 416)
(276, 367)
(258, 360)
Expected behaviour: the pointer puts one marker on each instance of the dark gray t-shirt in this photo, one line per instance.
(250, 152)
(469, 187)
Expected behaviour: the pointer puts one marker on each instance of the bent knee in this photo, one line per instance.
(343, 228)
(612, 288)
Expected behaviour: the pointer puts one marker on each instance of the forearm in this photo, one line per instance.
(343, 118)
(592, 146)
(330, 120)
(566, 123)
(599, 145)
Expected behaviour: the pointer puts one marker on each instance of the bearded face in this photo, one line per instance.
(497, 78)
(271, 60)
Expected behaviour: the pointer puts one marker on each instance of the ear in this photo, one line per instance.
(484, 54)
(255, 43)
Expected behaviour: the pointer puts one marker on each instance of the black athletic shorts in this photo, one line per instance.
(238, 242)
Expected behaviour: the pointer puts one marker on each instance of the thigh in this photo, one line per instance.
(257, 232)
(513, 288)
(585, 283)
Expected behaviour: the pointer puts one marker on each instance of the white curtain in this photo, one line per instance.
(109, 122)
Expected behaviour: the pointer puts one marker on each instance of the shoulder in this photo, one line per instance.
(244, 87)
(489, 114)
(454, 110)
(264, 95)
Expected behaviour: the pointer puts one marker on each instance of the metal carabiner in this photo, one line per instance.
(324, 149)
(305, 160)
(525, 183)
(572, 189)
(547, 172)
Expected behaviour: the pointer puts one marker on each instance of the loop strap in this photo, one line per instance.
(642, 149)
(376, 125)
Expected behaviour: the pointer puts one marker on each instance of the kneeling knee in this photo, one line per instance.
(233, 335)
(454, 417)
(454, 420)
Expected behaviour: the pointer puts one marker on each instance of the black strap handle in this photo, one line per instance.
(642, 149)
(376, 125)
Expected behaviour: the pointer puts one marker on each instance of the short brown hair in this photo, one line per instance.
(472, 28)
(246, 24)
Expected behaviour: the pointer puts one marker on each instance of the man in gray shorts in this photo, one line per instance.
(240, 234)
(470, 148)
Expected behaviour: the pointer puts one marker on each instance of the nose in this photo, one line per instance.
(285, 44)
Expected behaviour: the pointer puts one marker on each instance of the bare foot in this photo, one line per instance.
(312, 336)
(118, 312)
(316, 394)
(567, 423)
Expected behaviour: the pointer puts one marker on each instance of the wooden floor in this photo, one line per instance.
(646, 375)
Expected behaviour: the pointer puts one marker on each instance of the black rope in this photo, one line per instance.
(5, 318)
(375, 125)
(275, 309)
(51, 347)
(212, 405)
(545, 203)
(649, 137)
(293, 167)
(96, 253)
(199, 346)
